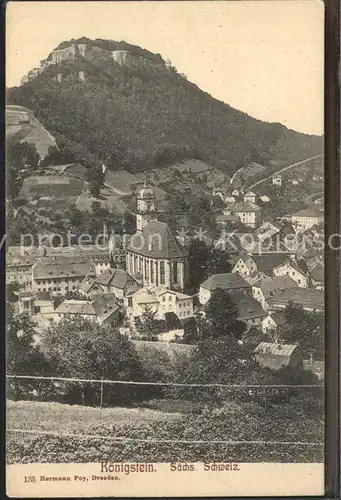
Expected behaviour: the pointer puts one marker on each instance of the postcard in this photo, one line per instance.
(165, 249)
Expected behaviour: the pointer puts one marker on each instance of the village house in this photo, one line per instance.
(305, 219)
(227, 282)
(266, 287)
(277, 180)
(118, 282)
(102, 309)
(309, 299)
(248, 213)
(276, 356)
(61, 275)
(316, 274)
(250, 310)
(230, 198)
(34, 303)
(264, 198)
(291, 269)
(158, 300)
(265, 264)
(250, 196)
(19, 270)
(272, 321)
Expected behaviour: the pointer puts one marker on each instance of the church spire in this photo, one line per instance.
(145, 184)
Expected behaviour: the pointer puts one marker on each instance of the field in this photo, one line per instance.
(239, 432)
(51, 185)
(22, 125)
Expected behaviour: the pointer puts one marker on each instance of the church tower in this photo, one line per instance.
(146, 210)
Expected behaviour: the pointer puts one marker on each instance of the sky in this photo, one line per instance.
(265, 58)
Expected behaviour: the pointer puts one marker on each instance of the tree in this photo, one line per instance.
(21, 158)
(222, 317)
(11, 288)
(147, 328)
(304, 328)
(198, 255)
(84, 349)
(218, 262)
(190, 335)
(22, 354)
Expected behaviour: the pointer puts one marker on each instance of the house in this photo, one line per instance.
(250, 310)
(264, 198)
(291, 269)
(265, 264)
(19, 270)
(272, 321)
(250, 196)
(244, 266)
(103, 309)
(223, 220)
(60, 275)
(315, 367)
(316, 274)
(227, 282)
(35, 302)
(309, 299)
(237, 193)
(276, 356)
(230, 198)
(277, 180)
(158, 300)
(266, 230)
(266, 287)
(118, 282)
(305, 219)
(248, 212)
(89, 287)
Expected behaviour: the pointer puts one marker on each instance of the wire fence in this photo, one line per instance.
(99, 392)
(307, 449)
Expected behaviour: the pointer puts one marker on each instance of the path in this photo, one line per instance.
(284, 169)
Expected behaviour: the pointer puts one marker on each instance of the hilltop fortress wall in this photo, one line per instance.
(91, 53)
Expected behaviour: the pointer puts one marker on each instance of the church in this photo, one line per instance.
(154, 255)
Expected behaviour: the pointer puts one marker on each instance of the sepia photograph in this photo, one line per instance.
(165, 242)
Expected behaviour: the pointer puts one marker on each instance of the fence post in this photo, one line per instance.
(102, 385)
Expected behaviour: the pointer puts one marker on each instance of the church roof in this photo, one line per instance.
(157, 241)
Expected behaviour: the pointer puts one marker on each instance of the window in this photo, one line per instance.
(180, 305)
(162, 273)
(170, 298)
(175, 272)
(152, 272)
(163, 298)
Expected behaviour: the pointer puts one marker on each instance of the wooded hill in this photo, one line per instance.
(144, 114)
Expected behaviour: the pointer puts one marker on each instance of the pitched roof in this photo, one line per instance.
(87, 284)
(306, 297)
(279, 318)
(241, 206)
(248, 307)
(269, 286)
(317, 272)
(307, 212)
(226, 281)
(267, 262)
(62, 267)
(117, 278)
(102, 307)
(158, 242)
(275, 349)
